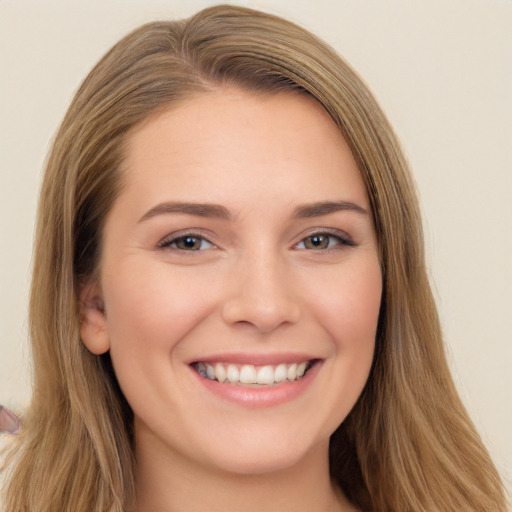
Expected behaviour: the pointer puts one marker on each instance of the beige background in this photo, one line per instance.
(442, 72)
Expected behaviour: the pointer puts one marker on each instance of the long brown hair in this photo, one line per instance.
(407, 445)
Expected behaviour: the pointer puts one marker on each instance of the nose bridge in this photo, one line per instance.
(261, 294)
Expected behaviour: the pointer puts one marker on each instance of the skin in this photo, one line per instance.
(257, 285)
(9, 422)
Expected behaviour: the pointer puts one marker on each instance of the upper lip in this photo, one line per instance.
(256, 359)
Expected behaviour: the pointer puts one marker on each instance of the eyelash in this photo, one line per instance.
(339, 238)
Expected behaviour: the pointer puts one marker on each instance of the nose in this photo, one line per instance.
(261, 295)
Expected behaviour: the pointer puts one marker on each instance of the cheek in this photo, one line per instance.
(349, 311)
(348, 306)
(152, 307)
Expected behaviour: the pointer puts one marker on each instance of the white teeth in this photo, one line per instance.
(220, 372)
(280, 373)
(301, 369)
(248, 374)
(292, 372)
(265, 375)
(233, 374)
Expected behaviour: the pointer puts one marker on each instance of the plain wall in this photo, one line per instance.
(440, 69)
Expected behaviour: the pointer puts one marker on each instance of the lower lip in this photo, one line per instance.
(264, 396)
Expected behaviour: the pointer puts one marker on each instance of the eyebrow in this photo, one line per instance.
(217, 211)
(198, 209)
(326, 207)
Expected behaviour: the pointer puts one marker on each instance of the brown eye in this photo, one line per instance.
(188, 243)
(323, 241)
(317, 242)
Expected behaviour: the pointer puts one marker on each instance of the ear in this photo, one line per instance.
(93, 321)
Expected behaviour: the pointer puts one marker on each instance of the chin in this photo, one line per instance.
(259, 457)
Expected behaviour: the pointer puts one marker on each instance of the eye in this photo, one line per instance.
(190, 243)
(322, 241)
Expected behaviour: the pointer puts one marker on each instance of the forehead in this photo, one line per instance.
(217, 144)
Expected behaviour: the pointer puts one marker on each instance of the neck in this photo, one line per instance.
(170, 482)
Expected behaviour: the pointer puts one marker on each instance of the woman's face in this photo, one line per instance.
(240, 281)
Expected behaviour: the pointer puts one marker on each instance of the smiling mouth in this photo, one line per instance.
(253, 375)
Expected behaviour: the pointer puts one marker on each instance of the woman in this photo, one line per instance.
(230, 296)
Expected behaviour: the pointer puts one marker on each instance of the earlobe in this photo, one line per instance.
(93, 321)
